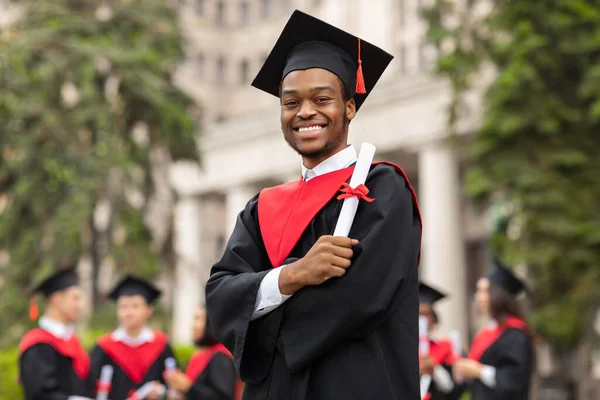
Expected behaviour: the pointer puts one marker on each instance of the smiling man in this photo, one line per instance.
(305, 314)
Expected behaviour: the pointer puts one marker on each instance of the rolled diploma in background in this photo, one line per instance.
(424, 352)
(359, 177)
(171, 366)
(106, 374)
(146, 388)
(456, 349)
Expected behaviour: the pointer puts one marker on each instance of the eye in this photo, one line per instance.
(322, 99)
(290, 103)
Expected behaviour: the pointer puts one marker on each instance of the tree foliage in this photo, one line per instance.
(538, 147)
(87, 102)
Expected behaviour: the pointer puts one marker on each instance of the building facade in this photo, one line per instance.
(243, 150)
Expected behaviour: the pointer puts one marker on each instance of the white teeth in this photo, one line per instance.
(310, 128)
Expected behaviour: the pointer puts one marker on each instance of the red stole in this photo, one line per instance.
(441, 352)
(71, 348)
(201, 358)
(487, 336)
(286, 210)
(134, 361)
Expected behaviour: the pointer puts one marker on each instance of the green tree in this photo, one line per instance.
(87, 107)
(538, 148)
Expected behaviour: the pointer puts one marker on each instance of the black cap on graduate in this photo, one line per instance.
(429, 295)
(56, 282)
(500, 275)
(307, 42)
(133, 286)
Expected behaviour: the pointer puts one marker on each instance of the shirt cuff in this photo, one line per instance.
(269, 297)
(77, 398)
(488, 376)
(443, 380)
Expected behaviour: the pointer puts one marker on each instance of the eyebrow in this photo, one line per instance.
(315, 89)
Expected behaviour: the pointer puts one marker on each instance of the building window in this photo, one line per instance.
(265, 9)
(220, 13)
(199, 7)
(244, 71)
(221, 66)
(244, 14)
(200, 61)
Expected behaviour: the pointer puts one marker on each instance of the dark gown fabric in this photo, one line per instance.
(355, 337)
(213, 376)
(133, 366)
(47, 374)
(442, 353)
(512, 356)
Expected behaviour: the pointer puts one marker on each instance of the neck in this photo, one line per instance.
(57, 316)
(312, 161)
(134, 332)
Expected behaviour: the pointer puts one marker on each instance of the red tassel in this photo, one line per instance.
(33, 308)
(360, 79)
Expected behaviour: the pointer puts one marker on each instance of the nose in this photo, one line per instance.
(306, 110)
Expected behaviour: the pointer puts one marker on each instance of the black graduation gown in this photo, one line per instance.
(134, 367)
(512, 356)
(441, 352)
(217, 381)
(48, 375)
(350, 338)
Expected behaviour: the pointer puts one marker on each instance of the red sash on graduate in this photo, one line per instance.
(441, 352)
(134, 361)
(201, 358)
(71, 348)
(286, 210)
(488, 336)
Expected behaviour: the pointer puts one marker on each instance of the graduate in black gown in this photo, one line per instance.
(500, 362)
(53, 365)
(210, 374)
(438, 363)
(136, 352)
(305, 314)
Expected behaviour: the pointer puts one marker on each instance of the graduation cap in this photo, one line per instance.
(307, 42)
(429, 295)
(133, 286)
(502, 276)
(56, 282)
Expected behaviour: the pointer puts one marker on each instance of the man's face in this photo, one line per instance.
(133, 312)
(68, 302)
(426, 311)
(314, 115)
(199, 326)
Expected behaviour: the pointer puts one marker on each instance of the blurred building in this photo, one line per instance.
(243, 149)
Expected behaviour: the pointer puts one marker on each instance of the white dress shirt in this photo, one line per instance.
(145, 336)
(269, 297)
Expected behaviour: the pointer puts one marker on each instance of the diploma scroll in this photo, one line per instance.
(423, 336)
(171, 366)
(359, 177)
(106, 374)
(146, 389)
(457, 350)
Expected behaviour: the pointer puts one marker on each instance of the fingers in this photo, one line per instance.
(343, 252)
(341, 241)
(342, 262)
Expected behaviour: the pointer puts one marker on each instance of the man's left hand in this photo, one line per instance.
(426, 366)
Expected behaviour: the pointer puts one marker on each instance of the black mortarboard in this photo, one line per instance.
(429, 295)
(133, 286)
(307, 42)
(59, 280)
(502, 276)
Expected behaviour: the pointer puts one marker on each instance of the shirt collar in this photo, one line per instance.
(145, 336)
(339, 160)
(56, 328)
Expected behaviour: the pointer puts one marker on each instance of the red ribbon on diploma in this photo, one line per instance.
(360, 191)
(103, 387)
(133, 395)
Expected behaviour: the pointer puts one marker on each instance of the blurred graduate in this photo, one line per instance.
(500, 361)
(53, 365)
(135, 351)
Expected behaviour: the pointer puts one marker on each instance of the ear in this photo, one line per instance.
(350, 109)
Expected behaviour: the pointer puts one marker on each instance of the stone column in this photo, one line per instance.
(442, 257)
(188, 291)
(236, 199)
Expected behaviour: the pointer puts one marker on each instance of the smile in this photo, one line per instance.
(313, 128)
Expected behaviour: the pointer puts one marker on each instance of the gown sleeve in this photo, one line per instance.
(231, 297)
(217, 381)
(317, 318)
(39, 374)
(515, 365)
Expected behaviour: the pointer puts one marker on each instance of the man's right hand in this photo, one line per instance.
(328, 258)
